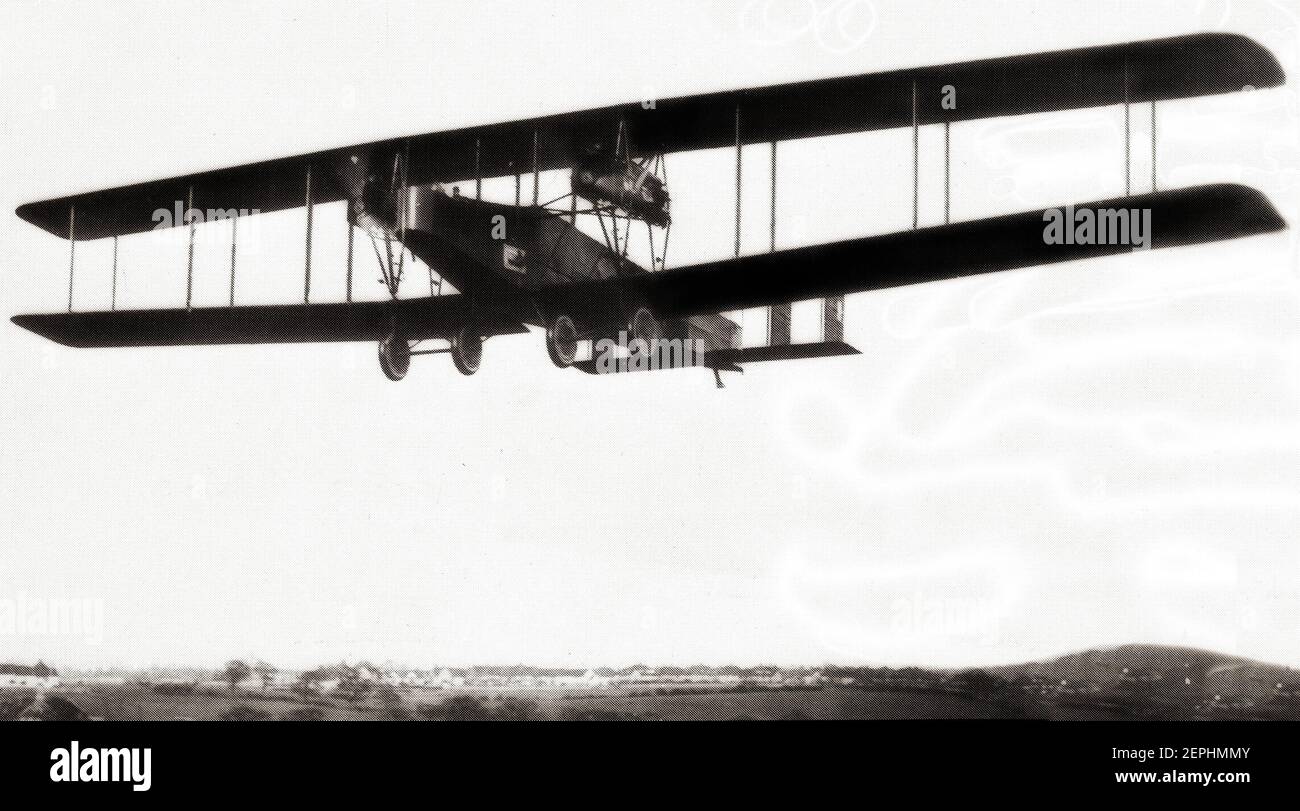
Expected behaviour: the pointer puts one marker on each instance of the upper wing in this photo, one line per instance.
(1179, 217)
(436, 317)
(1179, 67)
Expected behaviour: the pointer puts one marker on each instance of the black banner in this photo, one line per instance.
(979, 758)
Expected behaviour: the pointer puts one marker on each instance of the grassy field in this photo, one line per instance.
(141, 702)
(826, 704)
(1127, 682)
(637, 702)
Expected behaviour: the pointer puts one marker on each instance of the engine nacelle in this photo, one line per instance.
(624, 183)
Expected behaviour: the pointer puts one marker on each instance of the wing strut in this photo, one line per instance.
(1128, 140)
(916, 162)
(234, 237)
(535, 170)
(739, 175)
(113, 296)
(738, 154)
(72, 250)
(771, 212)
(306, 262)
(351, 231)
(778, 315)
(189, 266)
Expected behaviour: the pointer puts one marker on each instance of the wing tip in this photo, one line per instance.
(1256, 60)
(27, 212)
(46, 326)
(40, 214)
(1256, 214)
(1241, 60)
(1234, 209)
(27, 322)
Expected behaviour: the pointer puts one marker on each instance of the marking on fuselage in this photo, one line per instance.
(513, 258)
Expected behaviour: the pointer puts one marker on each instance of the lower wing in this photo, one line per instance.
(1189, 216)
(1165, 219)
(434, 317)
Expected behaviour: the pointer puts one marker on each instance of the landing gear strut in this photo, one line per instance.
(466, 352)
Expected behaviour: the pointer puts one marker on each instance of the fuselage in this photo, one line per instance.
(513, 254)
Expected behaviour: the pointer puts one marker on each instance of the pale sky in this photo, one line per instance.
(1017, 465)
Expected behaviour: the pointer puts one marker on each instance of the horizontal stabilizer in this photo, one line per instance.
(760, 354)
(729, 360)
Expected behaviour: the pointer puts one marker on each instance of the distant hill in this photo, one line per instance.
(1174, 669)
(1102, 665)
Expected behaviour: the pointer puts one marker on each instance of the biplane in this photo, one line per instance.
(528, 264)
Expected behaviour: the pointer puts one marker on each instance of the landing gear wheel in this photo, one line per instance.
(467, 350)
(394, 356)
(646, 328)
(562, 341)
